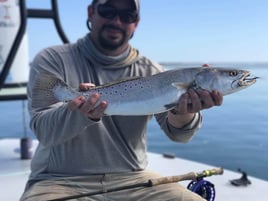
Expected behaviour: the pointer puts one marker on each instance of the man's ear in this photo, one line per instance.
(137, 22)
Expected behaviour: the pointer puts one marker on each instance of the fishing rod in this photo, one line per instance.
(150, 183)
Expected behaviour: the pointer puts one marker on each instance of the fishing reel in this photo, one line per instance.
(203, 188)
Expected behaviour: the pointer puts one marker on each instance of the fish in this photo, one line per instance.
(145, 95)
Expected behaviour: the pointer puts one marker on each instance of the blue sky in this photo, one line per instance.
(174, 30)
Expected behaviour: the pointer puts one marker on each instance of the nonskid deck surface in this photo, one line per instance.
(14, 173)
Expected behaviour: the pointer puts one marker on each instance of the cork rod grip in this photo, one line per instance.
(188, 176)
(172, 179)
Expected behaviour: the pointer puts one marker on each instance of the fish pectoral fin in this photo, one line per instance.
(180, 85)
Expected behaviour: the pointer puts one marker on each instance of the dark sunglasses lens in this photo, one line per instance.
(109, 12)
(128, 16)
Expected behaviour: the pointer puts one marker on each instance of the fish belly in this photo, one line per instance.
(148, 106)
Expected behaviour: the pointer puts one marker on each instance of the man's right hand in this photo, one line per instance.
(93, 108)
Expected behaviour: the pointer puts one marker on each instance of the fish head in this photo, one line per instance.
(224, 80)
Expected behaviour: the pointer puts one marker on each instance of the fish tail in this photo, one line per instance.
(49, 90)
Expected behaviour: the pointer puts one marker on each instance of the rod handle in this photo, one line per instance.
(188, 176)
(172, 179)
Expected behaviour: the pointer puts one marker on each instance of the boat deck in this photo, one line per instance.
(14, 173)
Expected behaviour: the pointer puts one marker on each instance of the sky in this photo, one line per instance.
(173, 30)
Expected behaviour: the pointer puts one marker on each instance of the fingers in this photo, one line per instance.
(217, 97)
(195, 100)
(205, 99)
(92, 108)
(90, 104)
(97, 112)
(76, 103)
(86, 86)
(182, 106)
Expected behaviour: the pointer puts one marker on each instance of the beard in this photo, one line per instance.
(111, 43)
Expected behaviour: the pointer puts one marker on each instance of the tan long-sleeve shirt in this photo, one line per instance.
(72, 144)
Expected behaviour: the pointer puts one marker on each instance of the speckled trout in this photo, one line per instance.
(146, 95)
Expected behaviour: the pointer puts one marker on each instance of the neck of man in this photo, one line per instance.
(109, 51)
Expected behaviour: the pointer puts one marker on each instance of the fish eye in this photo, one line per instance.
(233, 73)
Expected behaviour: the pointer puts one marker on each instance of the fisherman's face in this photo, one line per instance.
(112, 33)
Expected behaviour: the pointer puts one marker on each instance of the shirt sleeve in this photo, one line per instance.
(184, 134)
(52, 124)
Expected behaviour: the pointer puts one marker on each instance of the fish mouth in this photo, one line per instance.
(247, 80)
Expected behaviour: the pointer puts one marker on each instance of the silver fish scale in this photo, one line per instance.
(124, 90)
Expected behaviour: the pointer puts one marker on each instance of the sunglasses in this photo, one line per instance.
(109, 12)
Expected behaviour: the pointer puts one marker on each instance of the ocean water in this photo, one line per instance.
(234, 135)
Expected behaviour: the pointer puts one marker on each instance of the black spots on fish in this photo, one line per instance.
(113, 90)
(128, 87)
(123, 89)
(104, 93)
(139, 85)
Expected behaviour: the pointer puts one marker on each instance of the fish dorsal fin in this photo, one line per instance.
(117, 82)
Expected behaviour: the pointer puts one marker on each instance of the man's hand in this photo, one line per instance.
(191, 102)
(195, 100)
(93, 108)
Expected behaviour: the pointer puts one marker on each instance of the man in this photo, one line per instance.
(80, 149)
